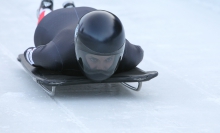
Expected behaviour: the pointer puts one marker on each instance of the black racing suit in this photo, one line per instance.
(54, 41)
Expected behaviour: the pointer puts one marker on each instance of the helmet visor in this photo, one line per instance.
(95, 65)
(98, 67)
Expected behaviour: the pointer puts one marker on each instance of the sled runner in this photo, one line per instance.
(49, 80)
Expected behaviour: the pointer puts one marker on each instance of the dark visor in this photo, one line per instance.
(97, 66)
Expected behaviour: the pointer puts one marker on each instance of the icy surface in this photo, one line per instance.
(181, 41)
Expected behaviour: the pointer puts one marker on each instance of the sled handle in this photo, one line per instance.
(132, 87)
(51, 93)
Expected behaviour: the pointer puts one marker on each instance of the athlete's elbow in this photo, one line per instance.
(48, 61)
(53, 65)
(53, 61)
(141, 54)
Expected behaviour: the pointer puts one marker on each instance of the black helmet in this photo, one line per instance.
(99, 44)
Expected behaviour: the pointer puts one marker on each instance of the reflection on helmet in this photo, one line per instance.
(96, 62)
(99, 44)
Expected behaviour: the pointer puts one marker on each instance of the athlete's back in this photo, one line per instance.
(55, 46)
(56, 21)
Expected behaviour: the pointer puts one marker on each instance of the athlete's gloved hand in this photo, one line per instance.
(28, 55)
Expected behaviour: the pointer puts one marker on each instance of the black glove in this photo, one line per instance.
(28, 55)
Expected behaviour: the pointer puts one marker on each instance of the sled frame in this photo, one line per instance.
(52, 92)
(48, 80)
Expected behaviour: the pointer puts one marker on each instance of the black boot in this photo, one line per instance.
(68, 4)
(45, 4)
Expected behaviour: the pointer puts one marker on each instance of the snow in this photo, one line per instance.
(181, 41)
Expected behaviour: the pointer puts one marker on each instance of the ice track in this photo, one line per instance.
(181, 41)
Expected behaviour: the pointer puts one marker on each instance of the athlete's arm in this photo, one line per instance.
(133, 55)
(45, 56)
(58, 54)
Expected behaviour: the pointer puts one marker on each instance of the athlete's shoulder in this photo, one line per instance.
(85, 8)
(75, 9)
(78, 11)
